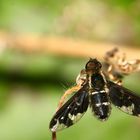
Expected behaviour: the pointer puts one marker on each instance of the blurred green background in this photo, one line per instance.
(31, 84)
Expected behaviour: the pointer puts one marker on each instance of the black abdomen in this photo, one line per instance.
(100, 104)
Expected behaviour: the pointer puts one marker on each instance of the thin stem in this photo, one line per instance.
(53, 135)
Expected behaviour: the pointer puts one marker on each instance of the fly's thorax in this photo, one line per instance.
(97, 81)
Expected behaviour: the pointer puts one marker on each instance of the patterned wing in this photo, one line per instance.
(71, 111)
(124, 99)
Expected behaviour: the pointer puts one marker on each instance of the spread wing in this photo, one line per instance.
(124, 99)
(71, 111)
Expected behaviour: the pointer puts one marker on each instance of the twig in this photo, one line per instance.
(53, 135)
(62, 45)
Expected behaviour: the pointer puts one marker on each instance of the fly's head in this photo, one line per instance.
(93, 66)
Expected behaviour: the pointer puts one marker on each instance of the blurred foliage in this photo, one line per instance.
(38, 66)
(32, 84)
(30, 88)
(117, 21)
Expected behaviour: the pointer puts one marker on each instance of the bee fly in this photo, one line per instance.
(98, 92)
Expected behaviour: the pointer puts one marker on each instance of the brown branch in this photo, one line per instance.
(54, 136)
(62, 45)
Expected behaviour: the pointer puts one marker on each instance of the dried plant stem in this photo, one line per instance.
(53, 135)
(62, 45)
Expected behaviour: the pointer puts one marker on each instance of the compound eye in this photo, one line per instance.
(93, 64)
(90, 65)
